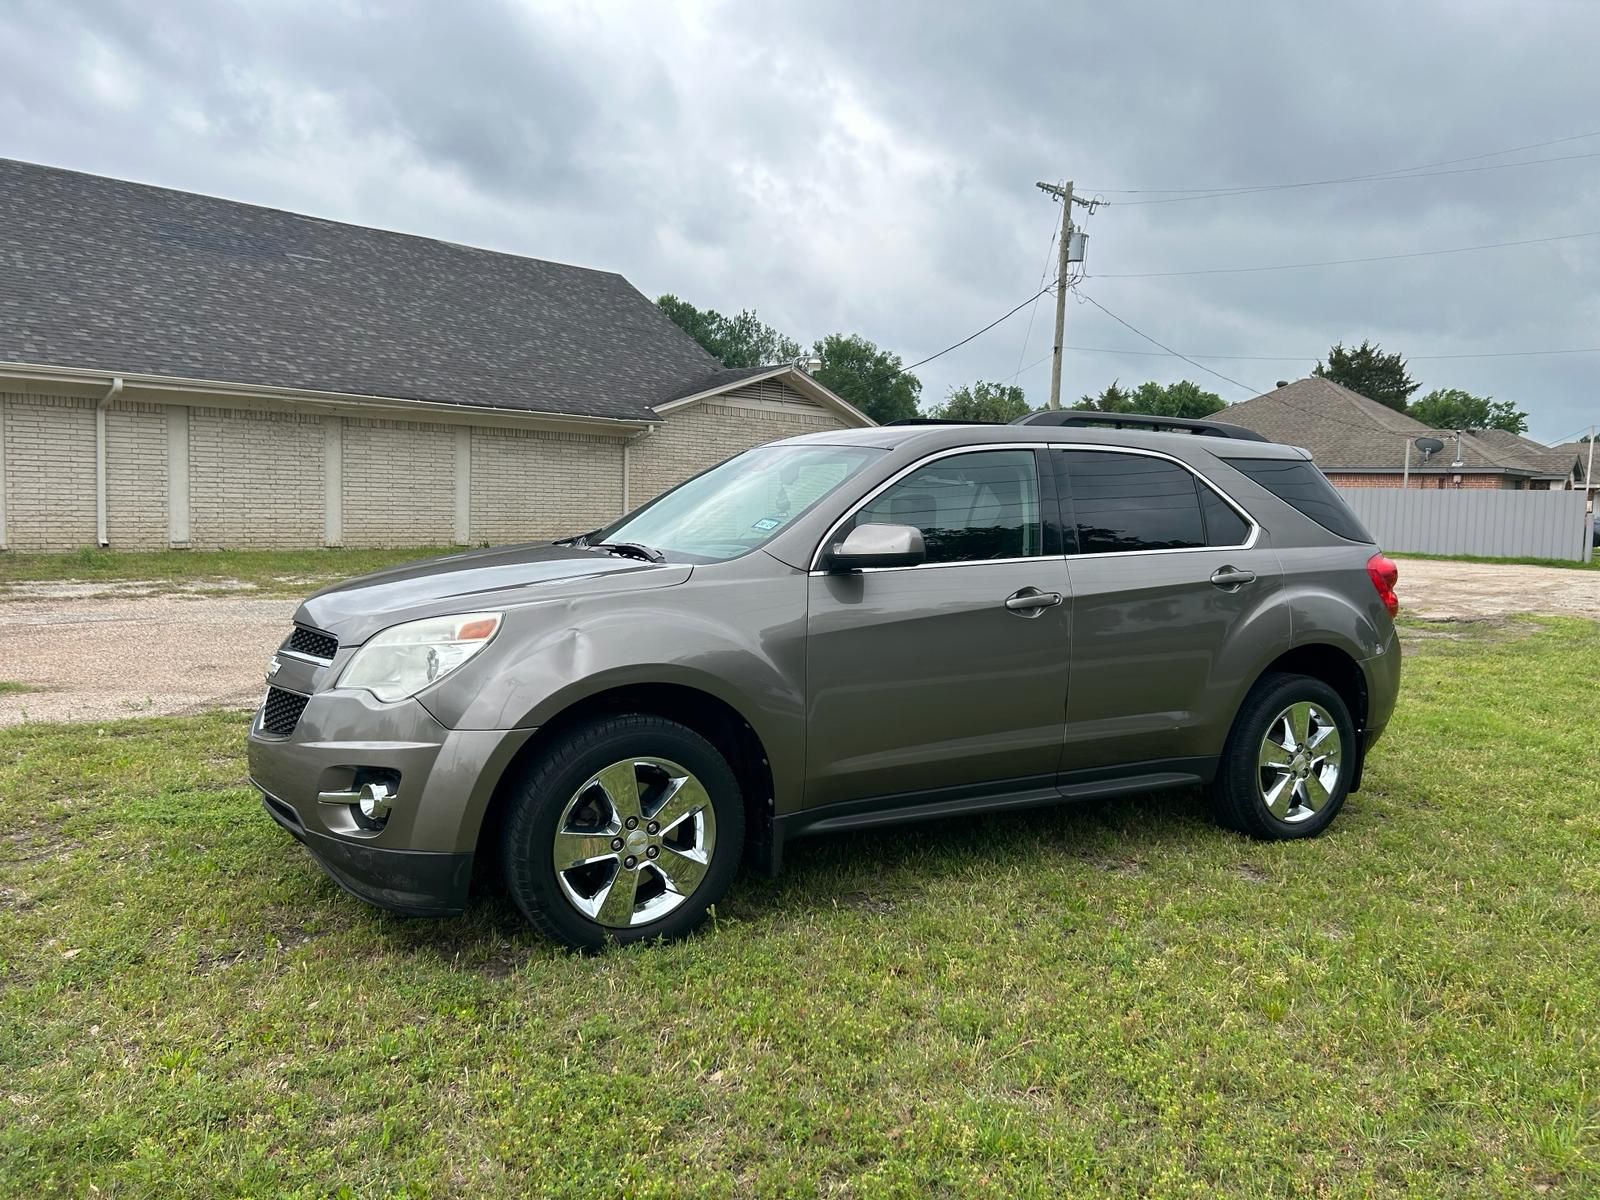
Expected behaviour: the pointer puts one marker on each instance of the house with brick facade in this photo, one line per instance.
(1360, 443)
(178, 370)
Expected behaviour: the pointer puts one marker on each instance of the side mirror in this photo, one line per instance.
(878, 546)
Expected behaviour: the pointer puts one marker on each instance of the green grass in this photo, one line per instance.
(1525, 562)
(8, 688)
(276, 571)
(1114, 999)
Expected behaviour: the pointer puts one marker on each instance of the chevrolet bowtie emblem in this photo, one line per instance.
(273, 669)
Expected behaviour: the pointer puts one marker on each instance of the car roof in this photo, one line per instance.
(943, 437)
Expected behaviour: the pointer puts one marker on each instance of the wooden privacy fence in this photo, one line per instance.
(1473, 521)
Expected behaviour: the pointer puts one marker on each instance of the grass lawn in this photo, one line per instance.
(1114, 999)
(276, 572)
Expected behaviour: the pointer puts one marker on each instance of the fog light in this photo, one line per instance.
(374, 800)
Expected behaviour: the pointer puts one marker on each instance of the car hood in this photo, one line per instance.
(495, 578)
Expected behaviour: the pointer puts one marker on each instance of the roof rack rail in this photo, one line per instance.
(1059, 418)
(937, 421)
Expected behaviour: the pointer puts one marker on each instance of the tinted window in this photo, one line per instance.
(1298, 482)
(968, 506)
(1224, 526)
(1131, 502)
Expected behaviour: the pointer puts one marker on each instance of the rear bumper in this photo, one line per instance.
(418, 883)
(1382, 675)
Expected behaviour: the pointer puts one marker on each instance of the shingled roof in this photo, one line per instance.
(104, 275)
(1345, 431)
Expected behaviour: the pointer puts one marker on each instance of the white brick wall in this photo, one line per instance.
(49, 475)
(694, 438)
(528, 485)
(399, 483)
(256, 476)
(255, 479)
(136, 476)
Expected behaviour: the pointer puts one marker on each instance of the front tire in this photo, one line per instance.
(1288, 762)
(627, 828)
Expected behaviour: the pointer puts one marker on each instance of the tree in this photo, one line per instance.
(1452, 408)
(1181, 399)
(740, 341)
(1370, 372)
(1112, 400)
(996, 403)
(873, 380)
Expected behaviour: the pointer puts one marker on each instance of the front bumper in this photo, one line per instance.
(419, 883)
(420, 860)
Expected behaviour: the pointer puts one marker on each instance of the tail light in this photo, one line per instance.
(1382, 571)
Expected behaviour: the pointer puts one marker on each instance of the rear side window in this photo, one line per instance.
(1224, 526)
(1123, 502)
(1298, 483)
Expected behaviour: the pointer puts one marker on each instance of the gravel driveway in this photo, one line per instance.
(1441, 590)
(99, 659)
(93, 659)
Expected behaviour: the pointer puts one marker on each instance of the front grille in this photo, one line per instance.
(313, 642)
(281, 712)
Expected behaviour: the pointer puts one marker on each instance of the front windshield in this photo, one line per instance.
(737, 505)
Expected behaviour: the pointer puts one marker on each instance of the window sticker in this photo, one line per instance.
(767, 524)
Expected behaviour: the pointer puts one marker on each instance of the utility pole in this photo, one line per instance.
(1063, 193)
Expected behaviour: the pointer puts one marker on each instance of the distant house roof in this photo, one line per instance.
(105, 275)
(1345, 431)
(1555, 460)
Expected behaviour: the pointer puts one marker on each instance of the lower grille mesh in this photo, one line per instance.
(281, 712)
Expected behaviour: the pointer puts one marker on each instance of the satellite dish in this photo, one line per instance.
(1429, 447)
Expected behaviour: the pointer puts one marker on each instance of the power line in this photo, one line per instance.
(1034, 311)
(1300, 357)
(1282, 187)
(957, 345)
(1033, 364)
(1444, 162)
(1228, 378)
(1339, 262)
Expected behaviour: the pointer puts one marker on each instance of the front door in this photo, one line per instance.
(1171, 611)
(921, 678)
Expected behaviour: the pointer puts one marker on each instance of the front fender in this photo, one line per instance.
(736, 635)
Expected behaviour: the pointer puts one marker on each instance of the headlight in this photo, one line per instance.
(404, 659)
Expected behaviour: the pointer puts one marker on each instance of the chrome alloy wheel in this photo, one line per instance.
(1300, 762)
(634, 842)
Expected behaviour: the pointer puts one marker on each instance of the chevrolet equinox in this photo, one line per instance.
(827, 633)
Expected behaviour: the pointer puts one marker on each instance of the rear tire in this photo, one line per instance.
(1288, 761)
(627, 828)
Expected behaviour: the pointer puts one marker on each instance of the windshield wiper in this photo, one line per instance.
(629, 550)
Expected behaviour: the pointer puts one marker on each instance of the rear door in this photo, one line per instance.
(1171, 609)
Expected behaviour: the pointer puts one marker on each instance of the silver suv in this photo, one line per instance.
(828, 633)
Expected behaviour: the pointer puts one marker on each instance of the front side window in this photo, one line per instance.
(1123, 502)
(970, 507)
(738, 505)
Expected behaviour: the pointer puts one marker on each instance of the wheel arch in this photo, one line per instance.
(1341, 671)
(712, 717)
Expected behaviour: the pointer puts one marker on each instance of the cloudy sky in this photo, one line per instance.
(869, 167)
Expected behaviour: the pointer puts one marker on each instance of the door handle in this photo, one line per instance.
(1030, 601)
(1231, 578)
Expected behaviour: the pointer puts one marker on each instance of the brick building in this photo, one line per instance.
(178, 370)
(1360, 443)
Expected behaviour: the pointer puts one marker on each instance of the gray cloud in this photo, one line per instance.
(870, 167)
